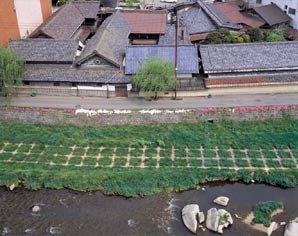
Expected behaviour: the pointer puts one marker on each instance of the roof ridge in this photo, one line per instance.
(249, 44)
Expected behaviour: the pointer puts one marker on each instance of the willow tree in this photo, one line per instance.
(155, 75)
(11, 71)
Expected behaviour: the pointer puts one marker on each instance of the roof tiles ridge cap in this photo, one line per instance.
(249, 44)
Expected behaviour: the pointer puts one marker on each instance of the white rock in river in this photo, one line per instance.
(223, 201)
(201, 217)
(218, 219)
(35, 209)
(189, 216)
(291, 229)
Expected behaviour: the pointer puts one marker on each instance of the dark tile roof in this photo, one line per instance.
(249, 57)
(45, 50)
(233, 14)
(146, 21)
(65, 73)
(109, 42)
(88, 9)
(67, 20)
(188, 61)
(169, 37)
(272, 14)
(216, 16)
(109, 3)
(196, 21)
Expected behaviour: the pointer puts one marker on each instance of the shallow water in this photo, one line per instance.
(66, 212)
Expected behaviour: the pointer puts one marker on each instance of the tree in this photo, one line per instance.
(215, 37)
(155, 75)
(255, 34)
(11, 71)
(62, 2)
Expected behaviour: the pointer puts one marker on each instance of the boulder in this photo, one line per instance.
(35, 209)
(291, 229)
(201, 217)
(189, 217)
(218, 219)
(223, 201)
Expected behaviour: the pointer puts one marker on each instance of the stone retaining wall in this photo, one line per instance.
(68, 117)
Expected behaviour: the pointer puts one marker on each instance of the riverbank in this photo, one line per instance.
(148, 159)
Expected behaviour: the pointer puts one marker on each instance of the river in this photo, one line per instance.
(71, 213)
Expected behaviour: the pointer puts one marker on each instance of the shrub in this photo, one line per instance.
(24, 148)
(273, 164)
(180, 153)
(165, 153)
(263, 211)
(224, 153)
(246, 38)
(255, 34)
(136, 152)
(239, 154)
(211, 163)
(275, 37)
(215, 38)
(105, 161)
(78, 151)
(209, 153)
(269, 154)
(284, 155)
(165, 162)
(288, 164)
(194, 153)
(90, 161)
(242, 163)
(150, 152)
(107, 152)
(11, 148)
(226, 163)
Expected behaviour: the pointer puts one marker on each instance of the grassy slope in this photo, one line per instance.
(132, 182)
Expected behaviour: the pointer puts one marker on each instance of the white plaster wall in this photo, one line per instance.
(29, 15)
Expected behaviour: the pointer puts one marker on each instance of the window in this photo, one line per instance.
(56, 84)
(259, 1)
(292, 11)
(286, 7)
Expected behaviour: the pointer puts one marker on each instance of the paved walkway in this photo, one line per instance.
(138, 103)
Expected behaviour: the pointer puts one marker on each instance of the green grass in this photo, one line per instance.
(150, 162)
(211, 163)
(105, 161)
(242, 163)
(288, 163)
(263, 211)
(136, 152)
(180, 162)
(165, 152)
(194, 153)
(78, 151)
(11, 147)
(24, 148)
(273, 164)
(75, 160)
(195, 163)
(256, 163)
(165, 162)
(254, 154)
(226, 163)
(135, 162)
(239, 154)
(132, 181)
(90, 161)
(269, 154)
(284, 155)
(224, 153)
(119, 162)
(209, 153)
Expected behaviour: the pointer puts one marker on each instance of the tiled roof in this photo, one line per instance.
(109, 42)
(65, 73)
(145, 21)
(216, 16)
(188, 61)
(232, 12)
(169, 37)
(272, 14)
(45, 50)
(249, 57)
(67, 20)
(196, 21)
(89, 9)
